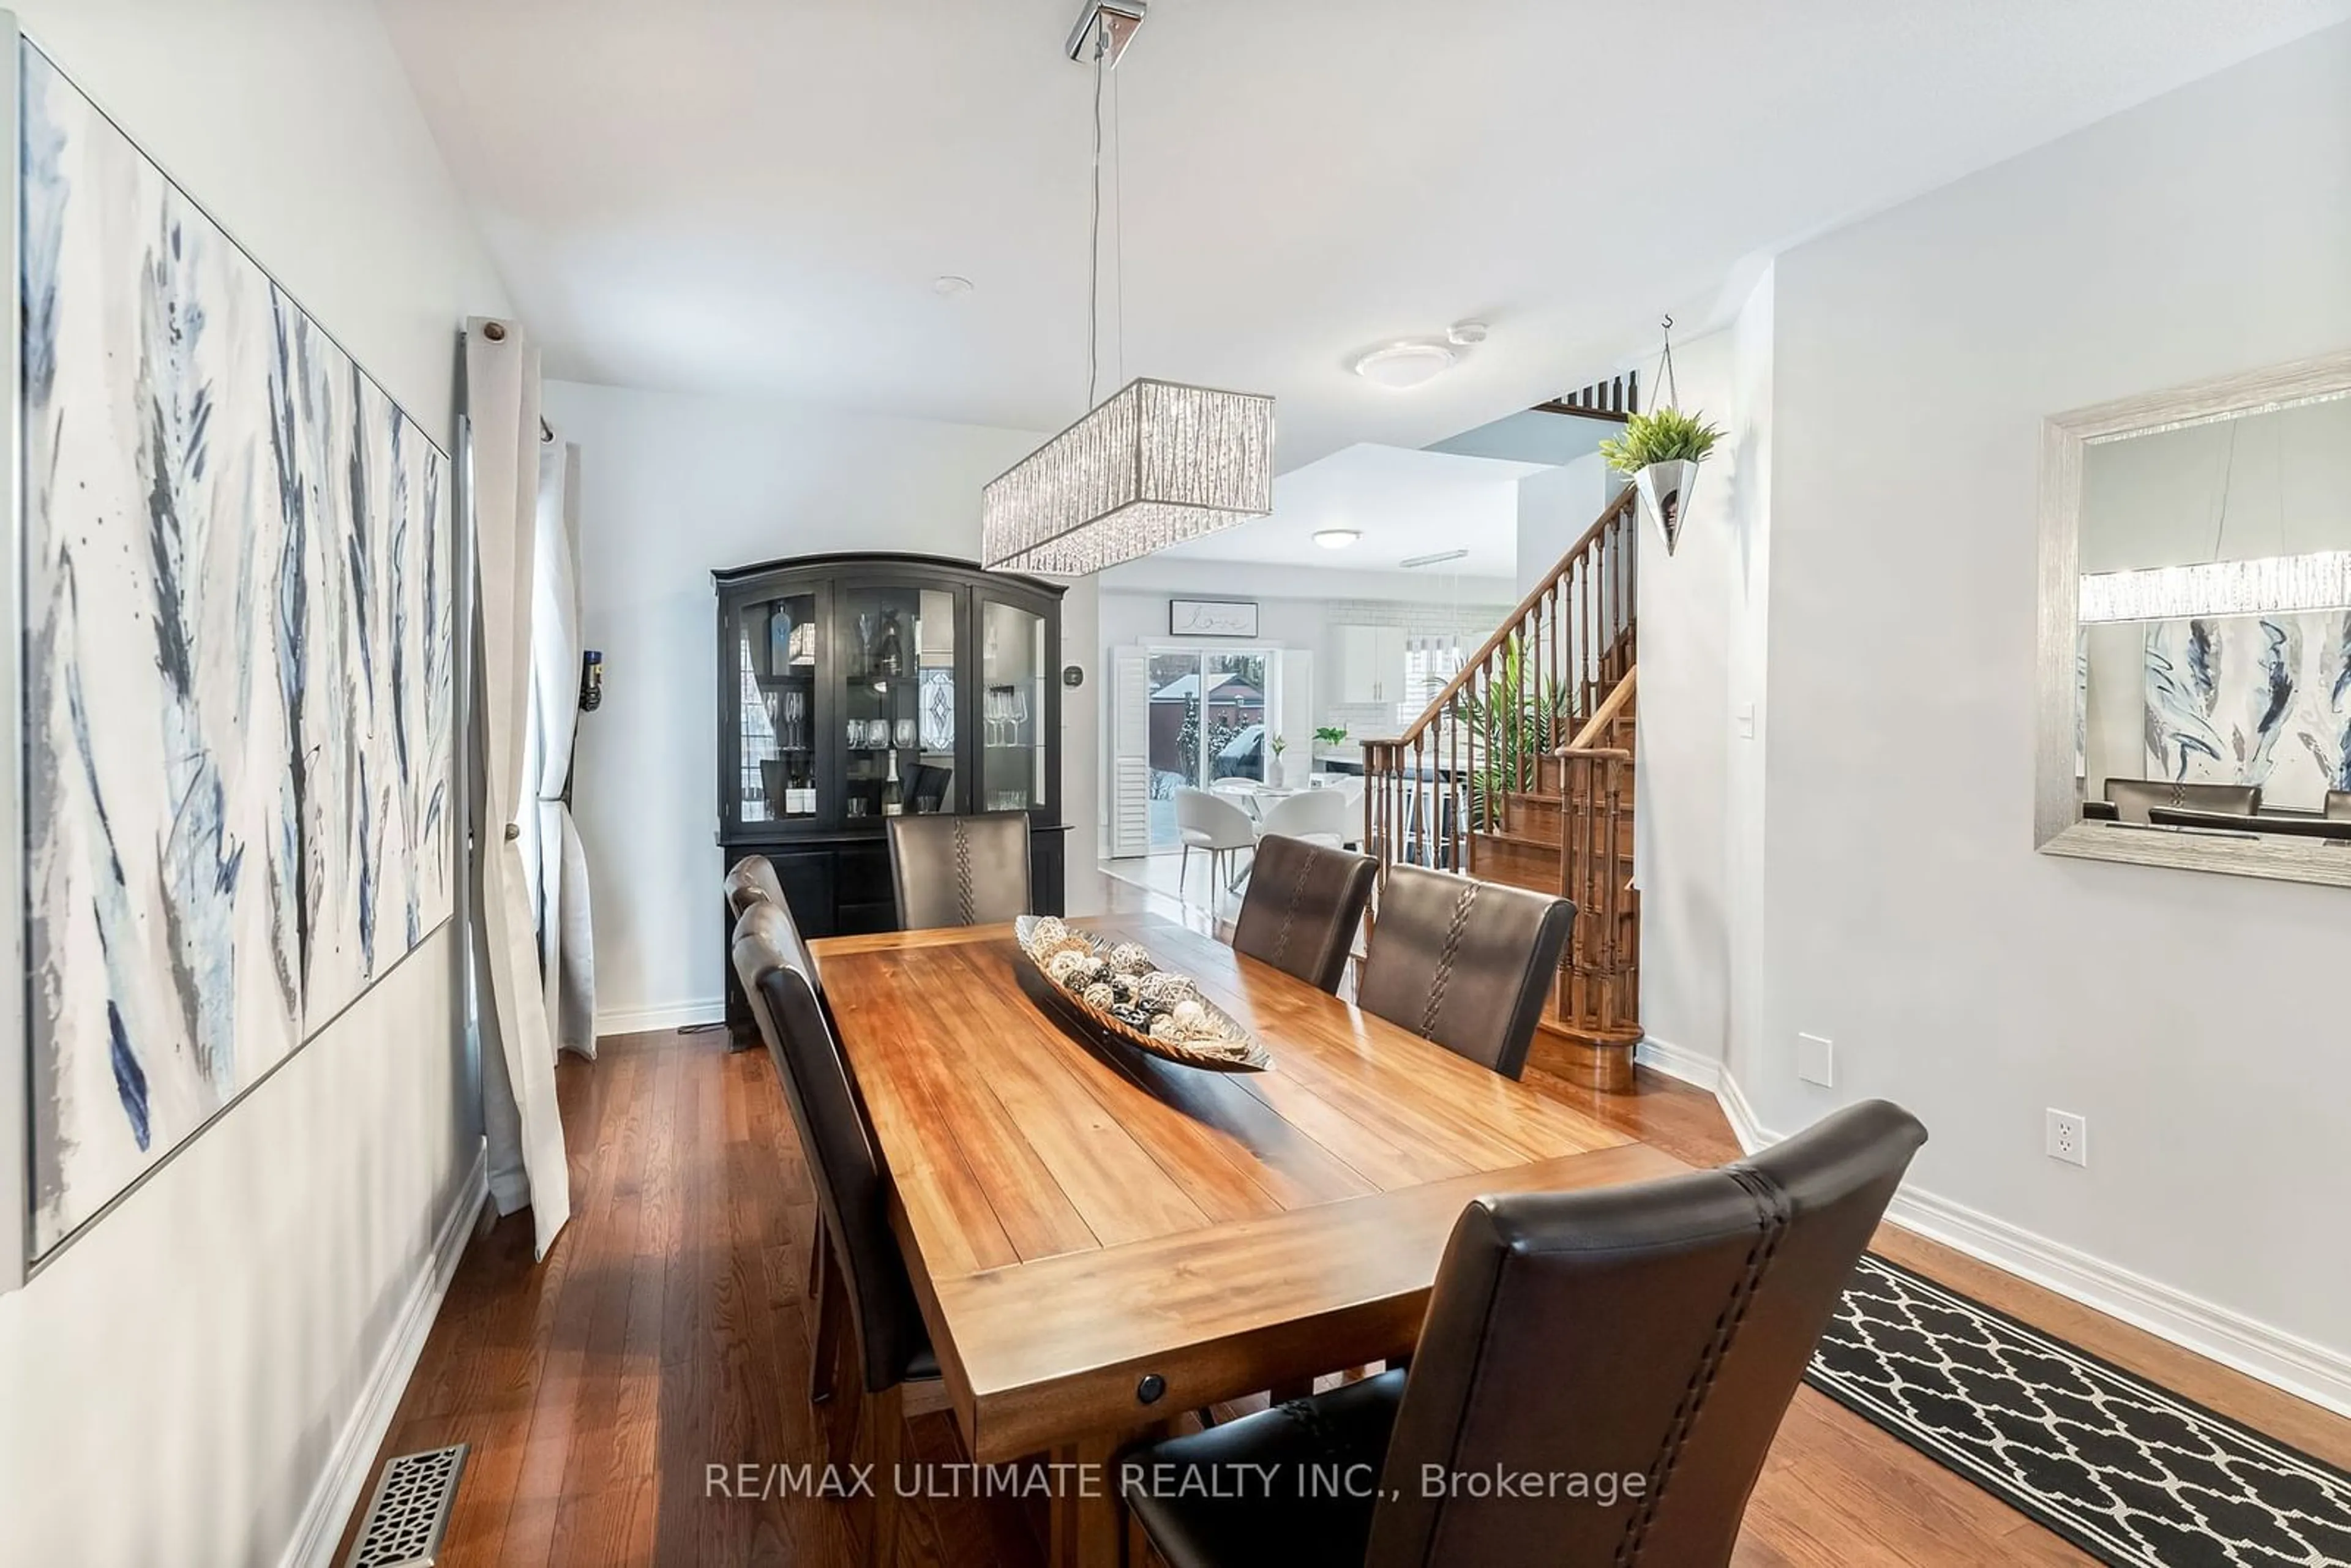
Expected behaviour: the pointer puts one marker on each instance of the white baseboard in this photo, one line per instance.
(670, 1015)
(1691, 1067)
(2301, 1368)
(320, 1528)
(1741, 1115)
(2280, 1359)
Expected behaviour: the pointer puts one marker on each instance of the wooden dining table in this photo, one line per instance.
(1102, 1240)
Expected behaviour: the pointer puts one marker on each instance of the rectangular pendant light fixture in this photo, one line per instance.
(2272, 585)
(1154, 465)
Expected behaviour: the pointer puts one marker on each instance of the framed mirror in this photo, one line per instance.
(2195, 647)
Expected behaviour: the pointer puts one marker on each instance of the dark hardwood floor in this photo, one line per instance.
(664, 1335)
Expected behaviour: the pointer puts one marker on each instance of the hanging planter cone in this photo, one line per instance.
(1665, 489)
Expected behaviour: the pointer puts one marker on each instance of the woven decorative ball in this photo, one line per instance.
(1098, 996)
(1163, 990)
(1130, 958)
(1047, 933)
(1065, 966)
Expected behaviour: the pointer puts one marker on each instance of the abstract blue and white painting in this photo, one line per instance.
(238, 700)
(2252, 699)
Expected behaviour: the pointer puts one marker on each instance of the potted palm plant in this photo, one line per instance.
(1661, 450)
(1515, 715)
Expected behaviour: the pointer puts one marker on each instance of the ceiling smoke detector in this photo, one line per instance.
(1403, 365)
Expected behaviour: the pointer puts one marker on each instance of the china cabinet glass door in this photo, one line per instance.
(1016, 709)
(777, 649)
(901, 693)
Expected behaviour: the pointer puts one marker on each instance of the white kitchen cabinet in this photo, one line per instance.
(1371, 664)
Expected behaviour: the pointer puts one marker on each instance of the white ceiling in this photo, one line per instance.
(1403, 502)
(754, 194)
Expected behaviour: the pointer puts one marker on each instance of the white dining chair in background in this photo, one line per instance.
(1211, 822)
(1317, 816)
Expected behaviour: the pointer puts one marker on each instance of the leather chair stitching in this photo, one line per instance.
(1445, 960)
(965, 905)
(1771, 1215)
(1290, 910)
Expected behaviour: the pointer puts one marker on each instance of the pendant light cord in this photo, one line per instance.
(1093, 233)
(2221, 505)
(1118, 226)
(1666, 381)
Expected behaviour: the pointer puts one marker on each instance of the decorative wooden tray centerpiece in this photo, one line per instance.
(1118, 992)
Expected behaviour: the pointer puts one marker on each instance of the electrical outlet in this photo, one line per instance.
(2069, 1137)
(1816, 1061)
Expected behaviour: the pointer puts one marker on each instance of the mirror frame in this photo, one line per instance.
(2057, 827)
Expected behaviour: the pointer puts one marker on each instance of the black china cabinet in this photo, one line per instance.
(854, 687)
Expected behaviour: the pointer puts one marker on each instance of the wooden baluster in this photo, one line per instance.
(1604, 625)
(1464, 741)
(1453, 729)
(1594, 638)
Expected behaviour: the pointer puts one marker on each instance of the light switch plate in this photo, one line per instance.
(1816, 1061)
(1747, 721)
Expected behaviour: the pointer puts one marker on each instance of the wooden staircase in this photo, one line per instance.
(1521, 771)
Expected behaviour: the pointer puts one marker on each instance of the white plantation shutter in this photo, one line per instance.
(1129, 753)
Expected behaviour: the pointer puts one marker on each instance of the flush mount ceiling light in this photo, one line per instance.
(1154, 465)
(1407, 364)
(1400, 366)
(950, 286)
(1337, 538)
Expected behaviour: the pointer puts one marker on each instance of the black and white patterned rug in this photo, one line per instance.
(2128, 1472)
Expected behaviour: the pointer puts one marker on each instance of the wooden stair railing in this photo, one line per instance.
(1514, 773)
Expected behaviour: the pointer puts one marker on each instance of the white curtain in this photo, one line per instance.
(567, 943)
(518, 1108)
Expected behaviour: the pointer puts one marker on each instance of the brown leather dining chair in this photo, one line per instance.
(1464, 963)
(1303, 907)
(959, 870)
(2134, 797)
(1654, 1332)
(869, 1292)
(752, 878)
(2338, 805)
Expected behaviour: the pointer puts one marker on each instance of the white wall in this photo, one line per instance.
(177, 1380)
(2194, 1020)
(1555, 507)
(1690, 606)
(673, 486)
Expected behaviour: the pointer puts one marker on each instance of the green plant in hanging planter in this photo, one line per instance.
(1331, 734)
(1661, 435)
(1661, 450)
